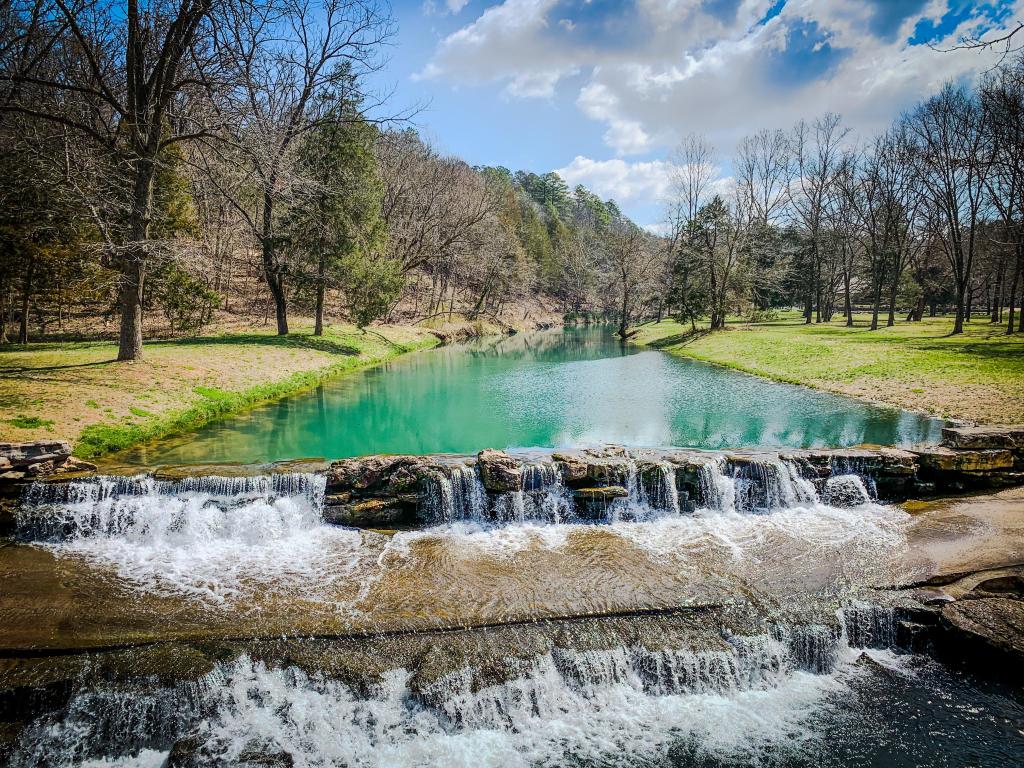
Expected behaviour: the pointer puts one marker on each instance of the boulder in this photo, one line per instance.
(22, 455)
(371, 513)
(990, 623)
(499, 472)
(54, 467)
(937, 458)
(611, 471)
(390, 474)
(983, 438)
(572, 468)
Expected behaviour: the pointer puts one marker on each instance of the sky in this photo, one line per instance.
(602, 91)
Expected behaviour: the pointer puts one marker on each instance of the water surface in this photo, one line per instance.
(546, 389)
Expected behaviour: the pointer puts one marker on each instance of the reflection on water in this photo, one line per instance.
(546, 389)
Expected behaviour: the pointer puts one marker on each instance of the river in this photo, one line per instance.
(556, 388)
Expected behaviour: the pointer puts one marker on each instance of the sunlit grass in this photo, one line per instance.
(977, 376)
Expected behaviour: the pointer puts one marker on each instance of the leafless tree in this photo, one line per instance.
(120, 78)
(952, 155)
(817, 154)
(290, 60)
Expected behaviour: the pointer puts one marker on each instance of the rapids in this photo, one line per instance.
(514, 631)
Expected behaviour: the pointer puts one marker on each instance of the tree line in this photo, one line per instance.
(169, 160)
(926, 216)
(178, 157)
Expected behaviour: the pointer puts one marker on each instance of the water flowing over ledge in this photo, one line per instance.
(724, 599)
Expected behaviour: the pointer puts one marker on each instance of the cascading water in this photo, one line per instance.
(764, 484)
(455, 494)
(743, 694)
(205, 536)
(661, 491)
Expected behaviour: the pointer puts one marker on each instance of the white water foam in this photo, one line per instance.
(212, 540)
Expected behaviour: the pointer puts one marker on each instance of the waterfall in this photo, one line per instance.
(852, 466)
(756, 484)
(717, 489)
(146, 509)
(661, 493)
(113, 720)
(453, 494)
(866, 625)
(584, 701)
(207, 537)
(845, 491)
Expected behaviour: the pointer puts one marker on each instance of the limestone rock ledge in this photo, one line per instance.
(39, 459)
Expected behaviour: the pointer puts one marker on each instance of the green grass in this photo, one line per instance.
(95, 402)
(976, 376)
(29, 422)
(101, 439)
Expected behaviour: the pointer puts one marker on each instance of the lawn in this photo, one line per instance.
(78, 392)
(977, 376)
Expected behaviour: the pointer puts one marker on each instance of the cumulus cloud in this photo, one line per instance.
(655, 70)
(624, 181)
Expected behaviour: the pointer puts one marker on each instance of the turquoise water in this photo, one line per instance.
(545, 389)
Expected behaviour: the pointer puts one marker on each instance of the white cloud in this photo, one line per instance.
(624, 181)
(688, 70)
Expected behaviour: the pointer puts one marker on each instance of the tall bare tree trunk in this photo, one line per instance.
(1013, 287)
(26, 300)
(133, 263)
(321, 288)
(271, 268)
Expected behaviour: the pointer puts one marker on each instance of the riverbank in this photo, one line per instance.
(977, 377)
(76, 391)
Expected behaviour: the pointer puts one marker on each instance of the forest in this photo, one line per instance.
(197, 159)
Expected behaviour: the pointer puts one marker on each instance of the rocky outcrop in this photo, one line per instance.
(986, 625)
(499, 472)
(388, 491)
(938, 458)
(39, 459)
(984, 438)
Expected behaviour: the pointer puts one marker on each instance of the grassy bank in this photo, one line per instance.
(76, 391)
(977, 376)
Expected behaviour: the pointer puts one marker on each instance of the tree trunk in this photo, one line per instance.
(1013, 290)
(918, 313)
(847, 303)
(321, 287)
(271, 269)
(133, 265)
(26, 298)
(875, 305)
(891, 320)
(958, 323)
(5, 300)
(624, 316)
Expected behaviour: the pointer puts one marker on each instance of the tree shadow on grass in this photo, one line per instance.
(679, 339)
(291, 341)
(19, 371)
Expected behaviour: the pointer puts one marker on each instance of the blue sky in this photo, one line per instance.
(603, 90)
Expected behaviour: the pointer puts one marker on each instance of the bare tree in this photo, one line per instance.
(953, 159)
(817, 162)
(120, 78)
(1003, 95)
(431, 203)
(289, 60)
